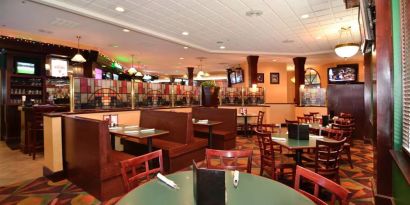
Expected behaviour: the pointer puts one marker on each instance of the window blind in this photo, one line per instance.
(405, 38)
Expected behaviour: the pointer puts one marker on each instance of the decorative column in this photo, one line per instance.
(299, 75)
(72, 100)
(253, 69)
(190, 76)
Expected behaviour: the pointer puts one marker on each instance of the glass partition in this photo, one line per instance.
(152, 94)
(254, 96)
(101, 94)
(231, 96)
(312, 96)
(186, 95)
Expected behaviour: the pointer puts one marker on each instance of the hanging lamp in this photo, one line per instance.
(78, 57)
(132, 70)
(346, 49)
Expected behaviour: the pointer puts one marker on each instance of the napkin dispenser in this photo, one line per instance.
(209, 186)
(299, 132)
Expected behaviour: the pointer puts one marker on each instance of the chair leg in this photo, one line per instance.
(349, 157)
(261, 171)
(34, 144)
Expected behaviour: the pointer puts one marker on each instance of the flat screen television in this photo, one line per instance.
(232, 77)
(98, 73)
(59, 67)
(25, 68)
(365, 18)
(239, 75)
(346, 73)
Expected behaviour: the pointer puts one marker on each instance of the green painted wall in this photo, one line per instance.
(401, 190)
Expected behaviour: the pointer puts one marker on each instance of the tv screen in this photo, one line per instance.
(232, 76)
(97, 73)
(59, 67)
(343, 74)
(239, 76)
(25, 68)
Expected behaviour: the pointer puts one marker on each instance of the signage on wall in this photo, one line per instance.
(59, 67)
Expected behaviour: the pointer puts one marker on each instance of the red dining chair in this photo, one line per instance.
(271, 161)
(347, 132)
(228, 159)
(327, 158)
(137, 169)
(338, 192)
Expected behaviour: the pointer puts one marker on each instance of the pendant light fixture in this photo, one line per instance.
(346, 49)
(201, 72)
(132, 70)
(139, 74)
(78, 57)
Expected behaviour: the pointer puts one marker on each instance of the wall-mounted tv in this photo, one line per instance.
(232, 77)
(98, 73)
(366, 25)
(59, 67)
(346, 73)
(25, 68)
(236, 76)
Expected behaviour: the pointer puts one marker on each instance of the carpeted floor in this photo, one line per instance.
(42, 191)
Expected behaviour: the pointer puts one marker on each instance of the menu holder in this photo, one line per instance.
(209, 186)
(299, 132)
(325, 120)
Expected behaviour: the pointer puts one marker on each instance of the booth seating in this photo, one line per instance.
(224, 135)
(89, 161)
(179, 147)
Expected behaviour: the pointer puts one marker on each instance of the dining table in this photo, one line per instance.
(210, 124)
(132, 132)
(298, 145)
(245, 122)
(252, 189)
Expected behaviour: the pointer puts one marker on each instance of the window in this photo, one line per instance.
(312, 77)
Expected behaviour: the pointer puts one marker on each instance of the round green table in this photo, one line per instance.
(252, 189)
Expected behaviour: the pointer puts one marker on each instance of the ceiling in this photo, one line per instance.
(155, 38)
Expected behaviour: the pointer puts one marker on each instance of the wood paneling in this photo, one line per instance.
(348, 98)
(384, 107)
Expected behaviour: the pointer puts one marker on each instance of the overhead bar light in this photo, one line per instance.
(78, 57)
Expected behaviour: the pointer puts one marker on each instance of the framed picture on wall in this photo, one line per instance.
(260, 77)
(274, 78)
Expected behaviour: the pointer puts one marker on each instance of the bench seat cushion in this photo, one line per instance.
(203, 132)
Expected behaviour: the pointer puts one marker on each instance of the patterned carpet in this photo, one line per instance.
(41, 191)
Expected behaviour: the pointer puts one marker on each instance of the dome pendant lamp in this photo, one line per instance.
(346, 49)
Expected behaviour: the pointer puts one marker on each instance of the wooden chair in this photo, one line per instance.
(314, 114)
(305, 120)
(347, 132)
(291, 122)
(131, 167)
(338, 192)
(228, 159)
(268, 157)
(327, 157)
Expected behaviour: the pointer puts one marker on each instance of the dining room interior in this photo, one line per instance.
(205, 102)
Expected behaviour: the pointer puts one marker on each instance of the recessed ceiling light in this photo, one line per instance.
(186, 47)
(185, 33)
(274, 60)
(114, 46)
(181, 58)
(222, 47)
(119, 9)
(125, 30)
(252, 12)
(288, 41)
(318, 37)
(304, 16)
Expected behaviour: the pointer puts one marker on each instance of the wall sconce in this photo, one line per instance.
(48, 67)
(292, 80)
(254, 88)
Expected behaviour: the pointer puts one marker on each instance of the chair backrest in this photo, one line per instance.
(338, 192)
(228, 159)
(328, 155)
(305, 119)
(291, 121)
(266, 146)
(346, 128)
(137, 169)
(259, 121)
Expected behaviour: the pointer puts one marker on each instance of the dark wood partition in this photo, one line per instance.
(348, 98)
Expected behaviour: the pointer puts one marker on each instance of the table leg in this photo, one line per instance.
(298, 157)
(112, 141)
(210, 137)
(245, 132)
(149, 144)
